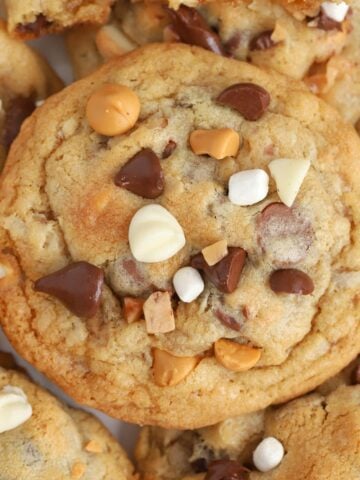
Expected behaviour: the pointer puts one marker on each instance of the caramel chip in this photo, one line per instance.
(215, 252)
(170, 370)
(218, 143)
(158, 312)
(78, 470)
(133, 309)
(235, 356)
(93, 447)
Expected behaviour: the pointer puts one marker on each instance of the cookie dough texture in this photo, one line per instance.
(297, 47)
(30, 19)
(55, 441)
(320, 435)
(24, 75)
(59, 204)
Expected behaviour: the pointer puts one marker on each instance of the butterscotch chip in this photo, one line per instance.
(235, 356)
(218, 143)
(159, 315)
(170, 370)
(78, 470)
(215, 252)
(112, 109)
(133, 309)
(93, 447)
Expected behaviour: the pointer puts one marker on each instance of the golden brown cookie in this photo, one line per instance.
(99, 227)
(41, 438)
(29, 19)
(25, 78)
(315, 437)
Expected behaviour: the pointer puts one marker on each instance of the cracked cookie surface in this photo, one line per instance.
(59, 204)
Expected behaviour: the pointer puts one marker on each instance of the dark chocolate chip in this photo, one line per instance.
(193, 29)
(226, 470)
(169, 148)
(228, 320)
(35, 28)
(326, 23)
(249, 99)
(142, 175)
(225, 275)
(16, 112)
(355, 377)
(263, 41)
(78, 286)
(291, 280)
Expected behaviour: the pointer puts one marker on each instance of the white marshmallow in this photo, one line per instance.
(188, 284)
(289, 175)
(335, 11)
(248, 187)
(14, 408)
(268, 454)
(154, 234)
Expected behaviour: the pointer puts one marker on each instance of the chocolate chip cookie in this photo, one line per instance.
(311, 438)
(263, 32)
(180, 238)
(25, 78)
(29, 19)
(42, 438)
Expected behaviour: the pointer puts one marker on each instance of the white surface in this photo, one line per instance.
(289, 175)
(188, 284)
(335, 11)
(53, 48)
(248, 187)
(14, 408)
(268, 454)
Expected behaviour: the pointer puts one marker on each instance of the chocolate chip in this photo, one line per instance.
(233, 44)
(192, 28)
(169, 148)
(249, 99)
(263, 41)
(78, 286)
(326, 23)
(35, 28)
(18, 109)
(355, 377)
(291, 280)
(284, 234)
(199, 465)
(142, 175)
(225, 274)
(226, 470)
(228, 320)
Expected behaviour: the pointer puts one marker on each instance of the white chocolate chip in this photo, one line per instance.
(268, 454)
(188, 284)
(335, 11)
(154, 234)
(158, 312)
(14, 408)
(248, 187)
(289, 175)
(215, 252)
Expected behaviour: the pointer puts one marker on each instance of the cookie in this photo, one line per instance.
(42, 438)
(28, 19)
(311, 438)
(263, 32)
(25, 78)
(180, 238)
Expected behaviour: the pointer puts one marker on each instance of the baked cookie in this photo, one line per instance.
(25, 78)
(30, 19)
(181, 238)
(41, 438)
(263, 32)
(315, 437)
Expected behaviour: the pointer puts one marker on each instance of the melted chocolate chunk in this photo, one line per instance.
(249, 99)
(355, 378)
(291, 280)
(228, 320)
(16, 112)
(193, 29)
(35, 28)
(263, 41)
(326, 23)
(78, 286)
(169, 148)
(226, 470)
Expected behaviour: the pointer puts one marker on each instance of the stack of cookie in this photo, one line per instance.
(180, 239)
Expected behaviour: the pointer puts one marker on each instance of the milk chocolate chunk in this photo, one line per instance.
(291, 280)
(142, 175)
(78, 286)
(192, 28)
(249, 99)
(263, 41)
(226, 470)
(225, 275)
(18, 109)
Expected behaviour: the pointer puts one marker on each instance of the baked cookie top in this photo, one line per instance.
(40, 438)
(29, 19)
(314, 437)
(152, 326)
(25, 78)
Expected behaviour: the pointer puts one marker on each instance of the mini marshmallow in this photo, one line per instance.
(268, 454)
(154, 234)
(248, 187)
(289, 175)
(14, 408)
(335, 11)
(188, 284)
